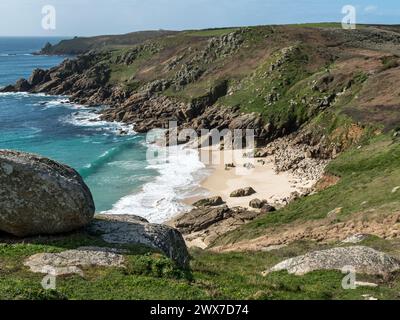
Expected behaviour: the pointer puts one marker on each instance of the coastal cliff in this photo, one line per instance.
(324, 104)
(276, 80)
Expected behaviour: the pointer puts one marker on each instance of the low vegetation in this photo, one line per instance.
(212, 276)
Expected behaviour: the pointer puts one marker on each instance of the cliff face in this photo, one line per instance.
(327, 82)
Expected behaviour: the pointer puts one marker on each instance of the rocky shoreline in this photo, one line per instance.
(148, 99)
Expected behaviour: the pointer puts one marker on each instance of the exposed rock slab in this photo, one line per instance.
(41, 196)
(202, 226)
(69, 262)
(209, 202)
(127, 229)
(363, 259)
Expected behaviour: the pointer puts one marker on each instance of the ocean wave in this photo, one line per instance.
(86, 117)
(105, 158)
(22, 94)
(56, 103)
(162, 198)
(15, 54)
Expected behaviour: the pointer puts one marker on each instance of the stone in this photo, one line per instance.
(201, 219)
(249, 166)
(229, 166)
(365, 284)
(69, 262)
(368, 297)
(41, 196)
(127, 229)
(209, 202)
(22, 85)
(257, 203)
(263, 153)
(245, 192)
(334, 213)
(363, 259)
(354, 239)
(267, 209)
(395, 189)
(203, 225)
(38, 75)
(273, 247)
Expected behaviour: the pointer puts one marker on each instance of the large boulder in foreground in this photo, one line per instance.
(41, 196)
(129, 229)
(364, 260)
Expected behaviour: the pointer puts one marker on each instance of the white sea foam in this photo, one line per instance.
(15, 54)
(88, 117)
(21, 94)
(56, 103)
(180, 172)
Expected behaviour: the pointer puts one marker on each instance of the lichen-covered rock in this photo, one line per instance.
(127, 229)
(69, 262)
(364, 260)
(41, 196)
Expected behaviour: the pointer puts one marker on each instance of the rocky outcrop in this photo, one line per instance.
(245, 192)
(70, 262)
(302, 156)
(128, 229)
(202, 226)
(41, 196)
(363, 260)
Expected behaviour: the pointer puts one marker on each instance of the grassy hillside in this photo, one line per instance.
(149, 275)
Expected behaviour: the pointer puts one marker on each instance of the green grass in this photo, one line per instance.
(390, 63)
(212, 276)
(125, 74)
(288, 83)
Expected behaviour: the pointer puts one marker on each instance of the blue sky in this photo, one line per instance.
(94, 17)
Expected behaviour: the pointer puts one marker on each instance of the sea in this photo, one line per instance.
(115, 166)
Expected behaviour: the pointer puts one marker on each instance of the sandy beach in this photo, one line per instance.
(247, 172)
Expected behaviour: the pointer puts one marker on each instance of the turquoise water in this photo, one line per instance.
(114, 166)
